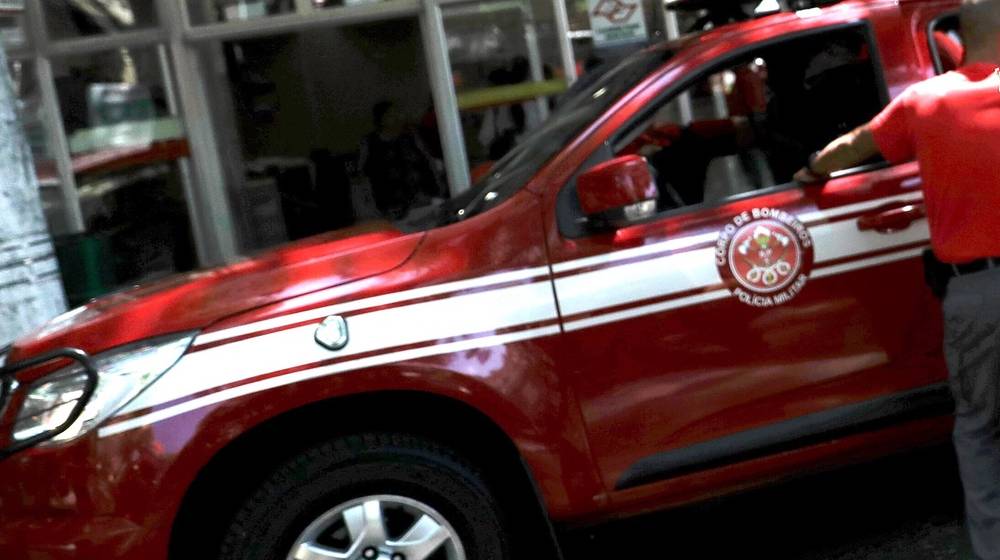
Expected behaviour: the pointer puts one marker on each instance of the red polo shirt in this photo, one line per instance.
(951, 125)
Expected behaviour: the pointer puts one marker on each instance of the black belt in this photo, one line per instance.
(974, 266)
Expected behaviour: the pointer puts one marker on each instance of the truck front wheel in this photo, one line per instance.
(370, 497)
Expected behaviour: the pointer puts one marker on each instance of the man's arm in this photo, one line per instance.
(850, 150)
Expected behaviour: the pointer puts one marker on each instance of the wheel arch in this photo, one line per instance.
(226, 479)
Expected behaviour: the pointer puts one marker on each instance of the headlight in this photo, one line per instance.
(122, 374)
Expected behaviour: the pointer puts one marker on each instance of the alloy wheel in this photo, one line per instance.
(379, 528)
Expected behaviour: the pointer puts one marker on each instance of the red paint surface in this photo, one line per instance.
(580, 406)
(195, 300)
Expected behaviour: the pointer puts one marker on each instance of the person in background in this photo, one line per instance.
(951, 125)
(396, 163)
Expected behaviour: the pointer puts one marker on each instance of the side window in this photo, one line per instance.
(752, 123)
(947, 47)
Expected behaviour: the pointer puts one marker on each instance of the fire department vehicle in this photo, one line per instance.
(635, 309)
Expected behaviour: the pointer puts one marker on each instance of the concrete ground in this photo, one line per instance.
(907, 507)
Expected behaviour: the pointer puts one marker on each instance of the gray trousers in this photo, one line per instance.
(972, 348)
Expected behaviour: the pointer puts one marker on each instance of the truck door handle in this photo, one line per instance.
(892, 219)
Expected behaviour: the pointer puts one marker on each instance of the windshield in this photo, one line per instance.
(580, 106)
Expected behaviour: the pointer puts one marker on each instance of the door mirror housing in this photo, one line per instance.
(618, 192)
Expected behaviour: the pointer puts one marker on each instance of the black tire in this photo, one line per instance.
(304, 488)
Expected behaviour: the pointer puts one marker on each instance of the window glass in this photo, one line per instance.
(67, 19)
(128, 150)
(506, 68)
(753, 124)
(577, 108)
(307, 150)
(947, 47)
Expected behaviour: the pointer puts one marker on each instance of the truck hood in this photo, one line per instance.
(195, 300)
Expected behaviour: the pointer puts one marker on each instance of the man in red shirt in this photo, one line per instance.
(951, 125)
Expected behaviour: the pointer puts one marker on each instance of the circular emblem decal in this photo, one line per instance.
(765, 256)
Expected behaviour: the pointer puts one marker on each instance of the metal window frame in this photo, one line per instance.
(456, 160)
(187, 38)
(59, 144)
(565, 41)
(177, 42)
(79, 46)
(208, 201)
(442, 81)
(54, 128)
(295, 22)
(428, 14)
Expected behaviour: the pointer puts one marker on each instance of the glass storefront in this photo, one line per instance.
(506, 68)
(313, 144)
(127, 145)
(299, 116)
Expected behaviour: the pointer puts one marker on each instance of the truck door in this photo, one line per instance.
(745, 314)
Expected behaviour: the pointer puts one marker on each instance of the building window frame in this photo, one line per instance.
(177, 41)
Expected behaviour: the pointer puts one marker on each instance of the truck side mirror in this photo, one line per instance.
(618, 192)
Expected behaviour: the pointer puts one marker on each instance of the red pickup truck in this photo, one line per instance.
(636, 308)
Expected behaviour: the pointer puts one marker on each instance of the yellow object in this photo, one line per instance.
(505, 95)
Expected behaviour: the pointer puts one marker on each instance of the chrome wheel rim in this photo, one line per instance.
(379, 528)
